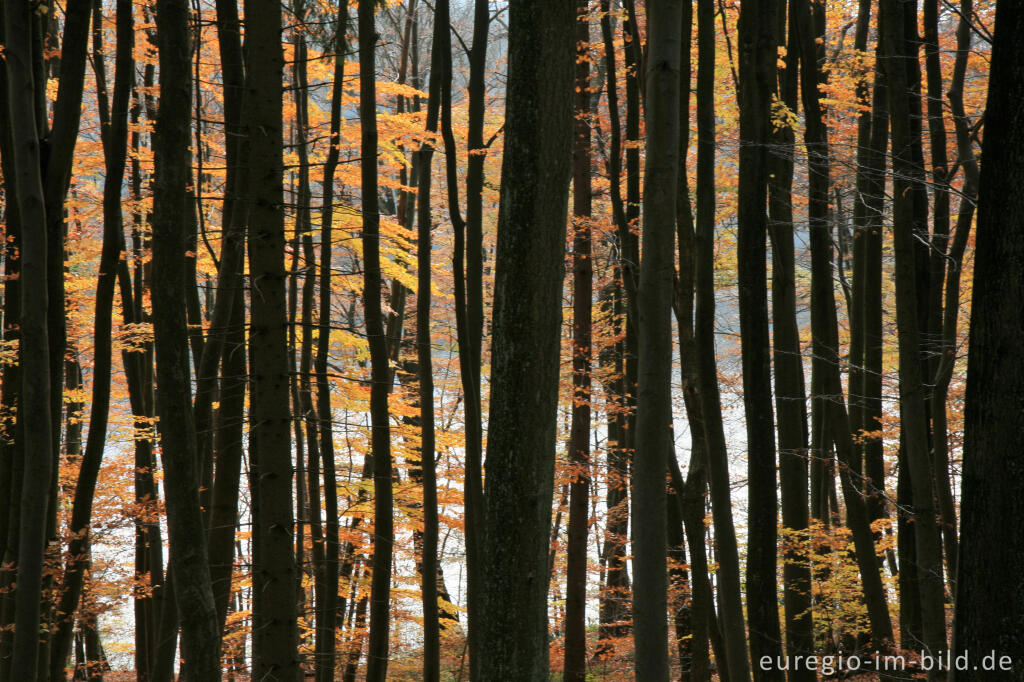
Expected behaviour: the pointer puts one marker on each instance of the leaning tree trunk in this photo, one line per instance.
(527, 322)
(990, 598)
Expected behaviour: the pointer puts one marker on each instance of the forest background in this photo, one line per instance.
(474, 340)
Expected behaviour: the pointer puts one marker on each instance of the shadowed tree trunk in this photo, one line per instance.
(527, 320)
(192, 589)
(756, 36)
(575, 667)
(729, 594)
(34, 349)
(613, 608)
(790, 397)
(328, 614)
(380, 374)
(654, 442)
(275, 635)
(907, 174)
(824, 328)
(115, 144)
(990, 597)
(430, 564)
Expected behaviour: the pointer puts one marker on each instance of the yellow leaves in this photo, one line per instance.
(783, 116)
(8, 352)
(135, 336)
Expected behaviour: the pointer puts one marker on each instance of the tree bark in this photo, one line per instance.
(914, 418)
(189, 563)
(654, 304)
(729, 594)
(575, 664)
(756, 37)
(990, 602)
(527, 319)
(380, 590)
(275, 636)
(34, 351)
(790, 396)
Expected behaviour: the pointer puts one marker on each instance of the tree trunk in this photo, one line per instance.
(756, 38)
(34, 350)
(189, 563)
(914, 418)
(729, 594)
(527, 320)
(790, 396)
(575, 666)
(115, 143)
(275, 637)
(990, 601)
(654, 305)
(380, 590)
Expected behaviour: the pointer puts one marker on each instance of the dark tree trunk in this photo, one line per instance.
(729, 594)
(429, 564)
(26, 179)
(613, 608)
(114, 133)
(990, 597)
(965, 215)
(575, 667)
(939, 257)
(228, 335)
(790, 396)
(756, 37)
(380, 590)
(328, 611)
(472, 311)
(824, 328)
(527, 319)
(275, 637)
(189, 563)
(914, 418)
(654, 305)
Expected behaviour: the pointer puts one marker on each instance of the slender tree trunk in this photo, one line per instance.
(34, 350)
(824, 326)
(472, 310)
(756, 38)
(654, 305)
(990, 603)
(614, 610)
(227, 444)
(527, 318)
(965, 215)
(380, 591)
(189, 563)
(729, 594)
(327, 618)
(914, 418)
(115, 141)
(939, 255)
(575, 665)
(424, 362)
(790, 396)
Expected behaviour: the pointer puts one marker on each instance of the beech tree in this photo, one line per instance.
(990, 616)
